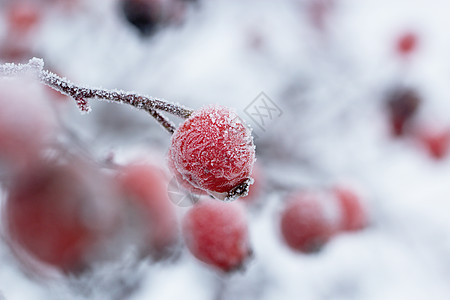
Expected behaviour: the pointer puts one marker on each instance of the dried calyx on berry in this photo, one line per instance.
(213, 151)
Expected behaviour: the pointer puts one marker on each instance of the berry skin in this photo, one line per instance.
(307, 223)
(213, 151)
(354, 216)
(152, 216)
(436, 142)
(407, 43)
(402, 106)
(216, 233)
(56, 213)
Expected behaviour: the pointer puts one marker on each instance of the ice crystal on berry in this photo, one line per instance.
(213, 151)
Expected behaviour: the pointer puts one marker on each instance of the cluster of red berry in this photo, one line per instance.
(403, 104)
(64, 210)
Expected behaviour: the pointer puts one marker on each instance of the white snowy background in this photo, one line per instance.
(330, 87)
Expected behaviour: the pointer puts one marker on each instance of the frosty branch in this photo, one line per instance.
(80, 94)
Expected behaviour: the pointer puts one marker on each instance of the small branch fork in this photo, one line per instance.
(151, 105)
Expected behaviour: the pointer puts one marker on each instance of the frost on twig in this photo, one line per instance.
(81, 94)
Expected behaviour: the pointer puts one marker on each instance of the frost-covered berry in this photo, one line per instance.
(308, 221)
(353, 213)
(151, 217)
(217, 234)
(58, 215)
(213, 151)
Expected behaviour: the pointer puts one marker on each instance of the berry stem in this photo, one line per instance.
(80, 94)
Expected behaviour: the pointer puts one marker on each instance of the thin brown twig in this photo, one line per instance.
(81, 94)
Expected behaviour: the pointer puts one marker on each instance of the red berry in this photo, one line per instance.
(181, 181)
(216, 233)
(354, 216)
(407, 43)
(27, 121)
(23, 16)
(153, 218)
(213, 150)
(435, 141)
(308, 221)
(57, 213)
(402, 106)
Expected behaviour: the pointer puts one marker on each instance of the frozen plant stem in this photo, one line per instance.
(81, 94)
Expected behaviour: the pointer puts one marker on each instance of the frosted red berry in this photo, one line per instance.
(308, 221)
(152, 218)
(213, 150)
(353, 213)
(58, 214)
(217, 234)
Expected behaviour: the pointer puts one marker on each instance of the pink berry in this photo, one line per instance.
(213, 150)
(407, 43)
(354, 215)
(23, 16)
(216, 233)
(308, 221)
(27, 121)
(153, 219)
(58, 214)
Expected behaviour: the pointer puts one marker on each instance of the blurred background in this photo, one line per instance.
(339, 93)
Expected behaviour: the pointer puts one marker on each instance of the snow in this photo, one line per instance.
(332, 129)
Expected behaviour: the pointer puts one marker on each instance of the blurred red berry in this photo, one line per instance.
(213, 150)
(153, 215)
(27, 121)
(354, 215)
(402, 105)
(58, 213)
(407, 43)
(308, 221)
(435, 141)
(217, 234)
(23, 16)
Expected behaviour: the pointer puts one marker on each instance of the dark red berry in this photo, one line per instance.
(59, 213)
(402, 106)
